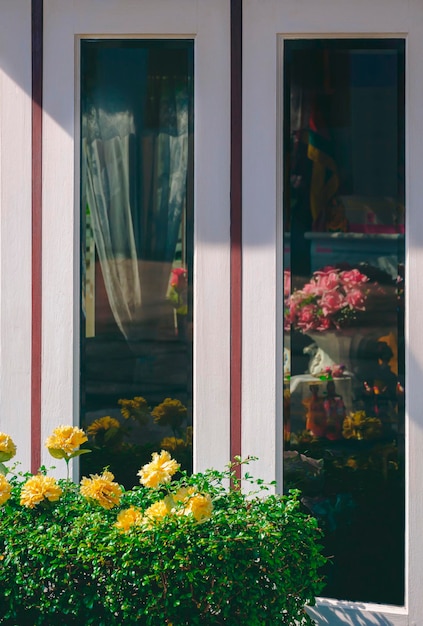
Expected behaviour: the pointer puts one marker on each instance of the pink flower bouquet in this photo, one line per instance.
(330, 300)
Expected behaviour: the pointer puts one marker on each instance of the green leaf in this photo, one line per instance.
(5, 456)
(3, 469)
(56, 453)
(255, 560)
(79, 452)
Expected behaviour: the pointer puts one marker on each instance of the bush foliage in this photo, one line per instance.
(185, 552)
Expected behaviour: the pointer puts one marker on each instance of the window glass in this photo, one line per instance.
(344, 397)
(136, 252)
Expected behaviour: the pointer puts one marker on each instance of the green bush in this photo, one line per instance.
(184, 552)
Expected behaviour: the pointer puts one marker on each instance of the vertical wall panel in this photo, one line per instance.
(15, 224)
(209, 23)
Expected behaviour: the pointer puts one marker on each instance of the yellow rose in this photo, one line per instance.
(102, 424)
(183, 494)
(156, 512)
(128, 518)
(136, 409)
(7, 447)
(200, 506)
(170, 412)
(5, 489)
(64, 441)
(172, 443)
(39, 488)
(102, 490)
(159, 471)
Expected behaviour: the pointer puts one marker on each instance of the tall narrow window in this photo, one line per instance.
(344, 205)
(136, 252)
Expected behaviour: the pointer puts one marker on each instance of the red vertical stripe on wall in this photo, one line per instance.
(236, 225)
(37, 90)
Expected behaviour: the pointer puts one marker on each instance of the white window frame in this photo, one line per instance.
(208, 23)
(266, 24)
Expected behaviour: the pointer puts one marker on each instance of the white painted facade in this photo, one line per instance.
(266, 24)
(15, 224)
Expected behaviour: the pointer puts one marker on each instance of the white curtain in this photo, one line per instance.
(135, 235)
(106, 185)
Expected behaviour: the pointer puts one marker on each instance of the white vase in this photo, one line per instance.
(339, 347)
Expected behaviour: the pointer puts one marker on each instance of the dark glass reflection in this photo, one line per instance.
(344, 375)
(137, 252)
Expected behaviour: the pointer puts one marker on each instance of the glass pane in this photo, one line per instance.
(344, 360)
(137, 252)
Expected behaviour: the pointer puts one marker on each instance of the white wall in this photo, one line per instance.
(15, 224)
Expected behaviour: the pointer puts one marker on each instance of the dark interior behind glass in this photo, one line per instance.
(344, 365)
(136, 252)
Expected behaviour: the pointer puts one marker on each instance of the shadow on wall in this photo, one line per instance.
(349, 614)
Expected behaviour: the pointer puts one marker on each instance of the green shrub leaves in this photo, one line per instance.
(254, 561)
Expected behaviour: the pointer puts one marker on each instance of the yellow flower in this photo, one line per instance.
(64, 440)
(172, 443)
(358, 418)
(183, 494)
(137, 409)
(170, 412)
(176, 502)
(348, 428)
(102, 424)
(156, 512)
(359, 426)
(7, 447)
(127, 518)
(101, 489)
(159, 471)
(5, 489)
(39, 488)
(200, 506)
(176, 443)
